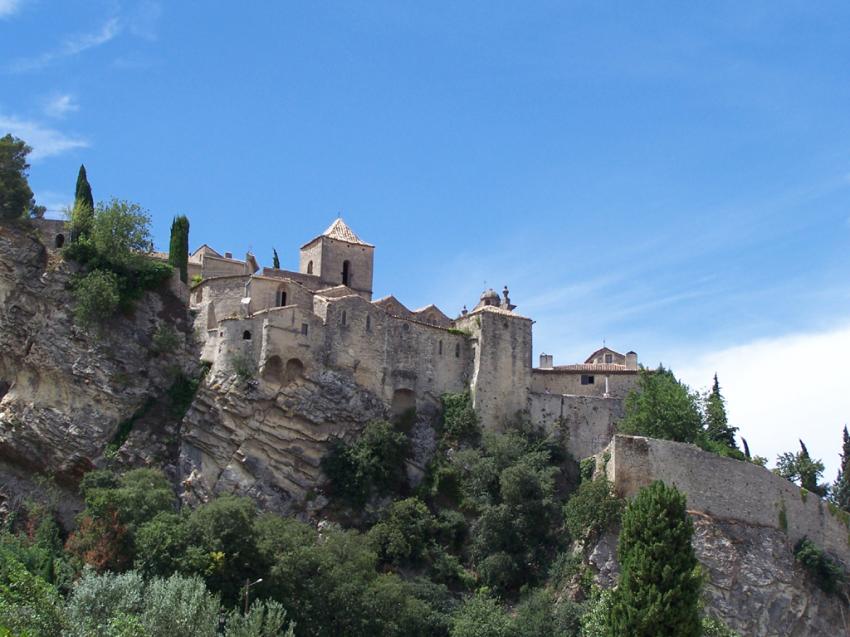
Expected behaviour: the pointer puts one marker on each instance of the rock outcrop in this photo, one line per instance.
(64, 390)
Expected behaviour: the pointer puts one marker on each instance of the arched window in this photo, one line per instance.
(344, 317)
(246, 335)
(309, 267)
(60, 240)
(346, 272)
(457, 350)
(281, 298)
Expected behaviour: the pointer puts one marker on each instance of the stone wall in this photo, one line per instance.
(589, 420)
(557, 381)
(727, 489)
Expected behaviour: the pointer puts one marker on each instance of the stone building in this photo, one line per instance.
(290, 326)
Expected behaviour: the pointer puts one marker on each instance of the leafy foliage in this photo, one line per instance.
(660, 583)
(801, 469)
(592, 509)
(825, 571)
(28, 604)
(662, 407)
(16, 200)
(459, 421)
(98, 297)
(481, 616)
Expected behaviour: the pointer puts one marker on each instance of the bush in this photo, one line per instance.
(372, 465)
(28, 604)
(459, 422)
(404, 533)
(825, 571)
(96, 599)
(180, 606)
(165, 340)
(481, 616)
(715, 628)
(592, 509)
(264, 619)
(97, 297)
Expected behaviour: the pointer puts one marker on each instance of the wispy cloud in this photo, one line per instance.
(781, 389)
(61, 105)
(45, 141)
(9, 8)
(72, 46)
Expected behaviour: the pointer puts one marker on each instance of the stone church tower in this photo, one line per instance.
(339, 257)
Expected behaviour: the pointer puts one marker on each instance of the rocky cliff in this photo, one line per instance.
(66, 393)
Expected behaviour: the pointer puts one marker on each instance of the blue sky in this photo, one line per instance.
(673, 179)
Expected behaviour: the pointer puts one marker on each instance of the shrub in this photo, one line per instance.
(662, 407)
(715, 628)
(481, 616)
(28, 604)
(264, 619)
(97, 297)
(592, 509)
(594, 622)
(180, 606)
(404, 533)
(165, 340)
(825, 571)
(96, 599)
(372, 464)
(459, 422)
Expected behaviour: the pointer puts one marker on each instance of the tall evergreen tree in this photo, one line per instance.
(275, 260)
(659, 590)
(178, 249)
(801, 469)
(841, 488)
(83, 191)
(16, 198)
(717, 423)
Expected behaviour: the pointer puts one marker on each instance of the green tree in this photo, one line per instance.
(659, 589)
(841, 487)
(662, 407)
(592, 509)
(28, 604)
(178, 251)
(264, 619)
(97, 297)
(82, 194)
(275, 260)
(801, 469)
(16, 198)
(121, 232)
(481, 616)
(718, 428)
(405, 532)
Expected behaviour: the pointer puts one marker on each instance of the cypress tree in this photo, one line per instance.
(841, 488)
(178, 250)
(275, 260)
(659, 590)
(717, 423)
(83, 192)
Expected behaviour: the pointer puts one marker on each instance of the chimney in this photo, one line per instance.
(546, 361)
(631, 361)
(228, 255)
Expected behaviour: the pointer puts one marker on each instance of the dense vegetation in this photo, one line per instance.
(16, 198)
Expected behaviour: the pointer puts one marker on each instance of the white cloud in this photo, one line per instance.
(61, 105)
(45, 142)
(782, 389)
(73, 45)
(9, 7)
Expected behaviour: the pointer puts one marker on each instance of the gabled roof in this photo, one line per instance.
(340, 231)
(431, 313)
(392, 306)
(206, 250)
(601, 350)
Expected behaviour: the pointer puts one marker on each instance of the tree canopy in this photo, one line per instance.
(16, 198)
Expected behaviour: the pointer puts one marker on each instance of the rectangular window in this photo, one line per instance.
(304, 328)
(587, 379)
(609, 358)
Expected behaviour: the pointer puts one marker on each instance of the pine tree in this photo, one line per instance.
(16, 198)
(178, 251)
(841, 488)
(83, 192)
(659, 590)
(275, 260)
(717, 423)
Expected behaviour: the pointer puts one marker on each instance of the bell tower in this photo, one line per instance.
(340, 257)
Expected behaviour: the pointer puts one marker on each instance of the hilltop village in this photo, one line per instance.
(296, 324)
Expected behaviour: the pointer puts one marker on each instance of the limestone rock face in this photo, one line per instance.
(63, 390)
(753, 583)
(266, 440)
(756, 586)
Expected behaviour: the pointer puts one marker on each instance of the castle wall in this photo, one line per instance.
(569, 382)
(501, 376)
(264, 294)
(588, 420)
(727, 488)
(211, 301)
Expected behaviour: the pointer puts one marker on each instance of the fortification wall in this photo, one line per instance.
(588, 420)
(563, 382)
(728, 489)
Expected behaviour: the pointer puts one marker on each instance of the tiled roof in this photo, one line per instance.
(590, 367)
(339, 230)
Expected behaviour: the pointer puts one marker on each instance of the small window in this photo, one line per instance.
(281, 298)
(246, 335)
(346, 272)
(440, 348)
(60, 240)
(587, 379)
(309, 267)
(368, 323)
(405, 327)
(304, 328)
(457, 350)
(609, 358)
(344, 317)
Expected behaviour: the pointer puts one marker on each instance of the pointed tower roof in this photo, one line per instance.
(340, 231)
